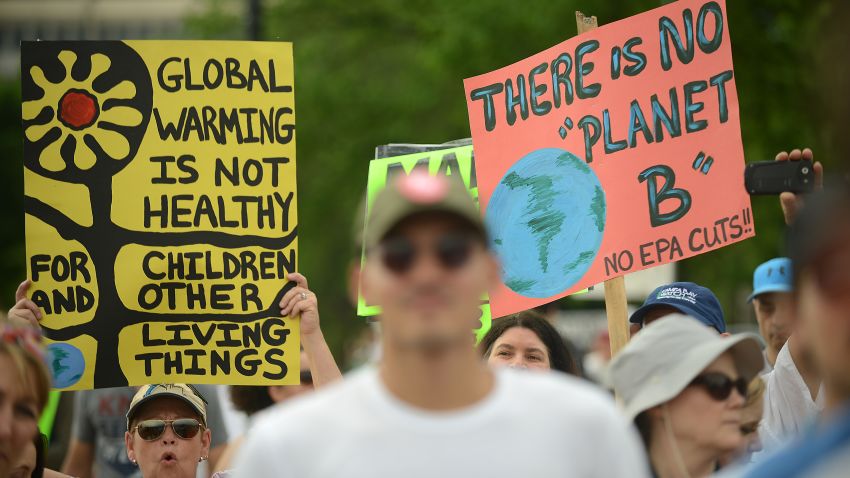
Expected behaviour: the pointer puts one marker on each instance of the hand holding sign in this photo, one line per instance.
(301, 302)
(161, 210)
(25, 312)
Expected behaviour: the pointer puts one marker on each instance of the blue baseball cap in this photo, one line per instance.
(688, 298)
(774, 275)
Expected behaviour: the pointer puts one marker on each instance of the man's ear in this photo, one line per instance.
(364, 280)
(206, 440)
(128, 443)
(494, 271)
(354, 281)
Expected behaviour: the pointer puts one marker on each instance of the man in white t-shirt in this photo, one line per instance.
(791, 402)
(773, 305)
(432, 407)
(789, 405)
(793, 391)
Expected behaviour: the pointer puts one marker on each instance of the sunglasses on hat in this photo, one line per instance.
(452, 251)
(719, 386)
(185, 428)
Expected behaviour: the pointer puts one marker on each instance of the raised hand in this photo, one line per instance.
(25, 313)
(301, 302)
(791, 203)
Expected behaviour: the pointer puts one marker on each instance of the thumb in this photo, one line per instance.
(21, 293)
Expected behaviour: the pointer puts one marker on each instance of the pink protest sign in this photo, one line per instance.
(614, 151)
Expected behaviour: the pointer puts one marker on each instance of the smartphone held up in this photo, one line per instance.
(775, 177)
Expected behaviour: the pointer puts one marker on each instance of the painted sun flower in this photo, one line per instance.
(77, 110)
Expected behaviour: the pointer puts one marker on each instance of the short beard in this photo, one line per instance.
(433, 345)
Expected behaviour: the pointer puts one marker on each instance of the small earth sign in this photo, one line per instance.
(546, 219)
(66, 364)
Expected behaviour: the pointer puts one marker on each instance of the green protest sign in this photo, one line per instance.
(438, 159)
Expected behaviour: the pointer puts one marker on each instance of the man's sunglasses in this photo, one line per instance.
(719, 386)
(399, 254)
(185, 428)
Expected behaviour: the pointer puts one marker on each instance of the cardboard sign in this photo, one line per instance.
(160, 205)
(436, 159)
(612, 152)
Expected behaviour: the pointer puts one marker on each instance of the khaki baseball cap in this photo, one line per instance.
(415, 193)
(181, 391)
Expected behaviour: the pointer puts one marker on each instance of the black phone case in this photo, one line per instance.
(774, 177)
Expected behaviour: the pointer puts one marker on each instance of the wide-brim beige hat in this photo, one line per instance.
(668, 354)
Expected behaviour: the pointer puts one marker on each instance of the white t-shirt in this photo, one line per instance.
(788, 405)
(531, 424)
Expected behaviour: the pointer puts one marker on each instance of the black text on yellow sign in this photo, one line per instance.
(161, 193)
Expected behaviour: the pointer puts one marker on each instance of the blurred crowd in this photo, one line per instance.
(684, 397)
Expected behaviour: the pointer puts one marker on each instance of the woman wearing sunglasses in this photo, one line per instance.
(527, 340)
(685, 387)
(166, 430)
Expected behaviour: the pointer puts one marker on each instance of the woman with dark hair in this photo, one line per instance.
(527, 340)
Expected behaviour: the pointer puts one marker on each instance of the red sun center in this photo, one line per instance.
(78, 109)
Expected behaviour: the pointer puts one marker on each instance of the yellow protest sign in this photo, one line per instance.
(161, 221)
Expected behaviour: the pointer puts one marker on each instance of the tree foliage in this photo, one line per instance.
(372, 72)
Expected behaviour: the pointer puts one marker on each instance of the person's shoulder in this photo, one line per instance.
(312, 410)
(785, 362)
(813, 454)
(548, 383)
(580, 416)
(557, 394)
(789, 460)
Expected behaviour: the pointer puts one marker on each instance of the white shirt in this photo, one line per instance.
(767, 366)
(788, 405)
(532, 424)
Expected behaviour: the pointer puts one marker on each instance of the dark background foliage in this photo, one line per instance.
(371, 72)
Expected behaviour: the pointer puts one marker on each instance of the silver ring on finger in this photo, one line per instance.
(303, 296)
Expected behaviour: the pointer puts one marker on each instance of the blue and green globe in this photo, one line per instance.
(66, 364)
(546, 219)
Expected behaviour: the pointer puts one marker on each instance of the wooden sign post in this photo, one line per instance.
(616, 306)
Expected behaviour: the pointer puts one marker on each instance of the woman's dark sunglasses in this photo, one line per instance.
(452, 251)
(185, 428)
(719, 386)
